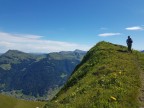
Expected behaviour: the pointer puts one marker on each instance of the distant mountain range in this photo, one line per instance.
(36, 74)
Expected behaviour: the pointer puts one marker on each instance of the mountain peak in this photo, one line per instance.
(108, 76)
(14, 51)
(79, 51)
(15, 55)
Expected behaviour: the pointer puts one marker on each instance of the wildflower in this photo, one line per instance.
(120, 72)
(73, 94)
(113, 98)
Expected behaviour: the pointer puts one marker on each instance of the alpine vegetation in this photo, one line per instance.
(107, 77)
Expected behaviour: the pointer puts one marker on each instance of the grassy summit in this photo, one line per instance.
(107, 77)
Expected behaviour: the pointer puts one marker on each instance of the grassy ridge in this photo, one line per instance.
(108, 77)
(10, 102)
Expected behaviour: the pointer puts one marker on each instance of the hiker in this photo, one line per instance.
(129, 42)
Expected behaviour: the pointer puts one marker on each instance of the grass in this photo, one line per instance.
(107, 77)
(10, 102)
(5, 66)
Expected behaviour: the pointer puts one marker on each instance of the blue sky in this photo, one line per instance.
(54, 25)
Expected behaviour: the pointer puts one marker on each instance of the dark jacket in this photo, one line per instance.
(129, 41)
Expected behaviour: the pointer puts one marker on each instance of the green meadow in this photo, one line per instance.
(10, 102)
(107, 77)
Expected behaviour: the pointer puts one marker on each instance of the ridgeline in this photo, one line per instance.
(107, 77)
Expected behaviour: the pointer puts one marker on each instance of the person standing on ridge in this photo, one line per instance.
(129, 42)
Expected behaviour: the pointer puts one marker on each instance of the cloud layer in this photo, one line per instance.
(132, 28)
(108, 34)
(34, 43)
(135, 28)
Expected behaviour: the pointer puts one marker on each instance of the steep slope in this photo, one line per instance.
(9, 102)
(35, 75)
(107, 77)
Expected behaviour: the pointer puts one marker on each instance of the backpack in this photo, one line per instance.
(129, 41)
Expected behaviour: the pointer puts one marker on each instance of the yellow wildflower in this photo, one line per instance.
(113, 98)
(120, 72)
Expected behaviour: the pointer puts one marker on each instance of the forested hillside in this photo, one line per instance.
(36, 74)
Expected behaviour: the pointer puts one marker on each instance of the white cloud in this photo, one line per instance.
(34, 43)
(108, 34)
(135, 28)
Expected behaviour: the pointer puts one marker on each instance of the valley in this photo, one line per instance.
(36, 76)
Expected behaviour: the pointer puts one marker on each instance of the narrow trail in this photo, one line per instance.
(141, 97)
(141, 90)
